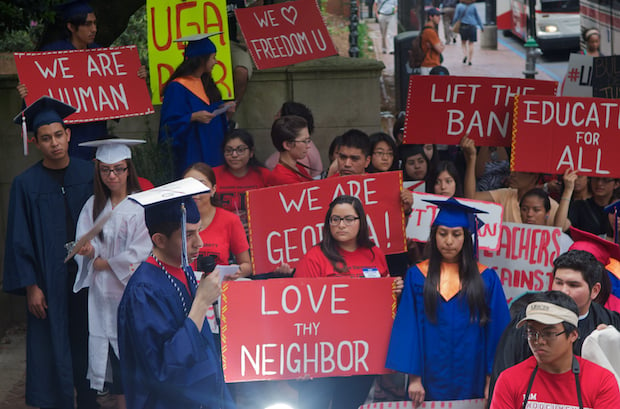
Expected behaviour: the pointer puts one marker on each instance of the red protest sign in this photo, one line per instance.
(524, 259)
(286, 33)
(299, 328)
(441, 109)
(102, 83)
(552, 134)
(286, 221)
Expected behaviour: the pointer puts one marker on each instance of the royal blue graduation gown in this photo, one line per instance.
(191, 141)
(34, 254)
(454, 355)
(166, 363)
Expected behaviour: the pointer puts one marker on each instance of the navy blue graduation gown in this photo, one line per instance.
(166, 363)
(191, 141)
(34, 254)
(454, 355)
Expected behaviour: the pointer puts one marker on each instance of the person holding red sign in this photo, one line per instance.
(221, 231)
(346, 250)
(451, 314)
(188, 120)
(290, 136)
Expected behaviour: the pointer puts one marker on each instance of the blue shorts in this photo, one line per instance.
(469, 32)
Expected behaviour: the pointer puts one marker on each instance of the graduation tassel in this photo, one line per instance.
(24, 135)
(616, 227)
(476, 238)
(184, 263)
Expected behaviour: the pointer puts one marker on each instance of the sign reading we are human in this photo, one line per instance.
(524, 259)
(287, 221)
(286, 33)
(298, 328)
(169, 20)
(101, 83)
(552, 134)
(441, 109)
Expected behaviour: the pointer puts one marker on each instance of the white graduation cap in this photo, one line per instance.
(113, 150)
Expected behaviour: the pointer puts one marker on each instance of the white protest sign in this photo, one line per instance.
(578, 79)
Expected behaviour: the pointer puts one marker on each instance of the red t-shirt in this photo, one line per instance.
(176, 272)
(281, 175)
(231, 189)
(223, 237)
(315, 264)
(599, 388)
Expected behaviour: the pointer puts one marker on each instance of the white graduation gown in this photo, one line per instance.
(126, 243)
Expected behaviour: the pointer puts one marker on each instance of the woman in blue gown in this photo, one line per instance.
(451, 315)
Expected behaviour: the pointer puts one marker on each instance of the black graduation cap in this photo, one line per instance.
(615, 209)
(44, 111)
(73, 8)
(171, 202)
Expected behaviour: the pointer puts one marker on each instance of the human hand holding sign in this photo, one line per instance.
(416, 390)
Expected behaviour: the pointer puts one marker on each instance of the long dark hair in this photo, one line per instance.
(247, 138)
(377, 137)
(447, 166)
(188, 67)
(329, 246)
(472, 286)
(407, 151)
(102, 193)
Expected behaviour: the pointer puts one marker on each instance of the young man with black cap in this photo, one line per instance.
(168, 354)
(44, 206)
(554, 376)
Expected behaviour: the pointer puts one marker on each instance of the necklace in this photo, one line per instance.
(174, 283)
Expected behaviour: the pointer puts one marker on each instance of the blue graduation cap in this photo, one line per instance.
(198, 44)
(172, 202)
(453, 213)
(615, 209)
(73, 8)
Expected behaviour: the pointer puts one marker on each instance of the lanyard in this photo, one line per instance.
(575, 371)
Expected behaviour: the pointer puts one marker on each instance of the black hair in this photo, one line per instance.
(445, 166)
(299, 109)
(336, 142)
(329, 246)
(472, 286)
(589, 32)
(189, 66)
(590, 268)
(354, 138)
(537, 192)
(286, 129)
(374, 139)
(399, 125)
(406, 151)
(565, 301)
(245, 137)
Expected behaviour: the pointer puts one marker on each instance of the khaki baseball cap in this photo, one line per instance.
(548, 313)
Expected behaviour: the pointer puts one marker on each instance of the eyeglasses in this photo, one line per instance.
(306, 141)
(348, 220)
(241, 149)
(384, 154)
(548, 335)
(117, 171)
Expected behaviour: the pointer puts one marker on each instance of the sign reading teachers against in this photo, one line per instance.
(300, 328)
(285, 33)
(101, 83)
(605, 78)
(287, 221)
(423, 214)
(524, 259)
(552, 134)
(441, 109)
(169, 20)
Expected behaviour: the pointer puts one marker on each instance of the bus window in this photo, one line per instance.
(559, 6)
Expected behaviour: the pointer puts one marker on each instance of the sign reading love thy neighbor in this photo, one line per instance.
(283, 34)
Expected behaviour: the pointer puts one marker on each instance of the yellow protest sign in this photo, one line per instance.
(169, 20)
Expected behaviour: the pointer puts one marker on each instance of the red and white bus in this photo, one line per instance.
(557, 22)
(603, 15)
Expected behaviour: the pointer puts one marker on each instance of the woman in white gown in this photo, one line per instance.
(106, 263)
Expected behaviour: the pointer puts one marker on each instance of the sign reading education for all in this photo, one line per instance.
(423, 214)
(287, 221)
(524, 259)
(552, 134)
(298, 328)
(101, 83)
(441, 109)
(285, 33)
(169, 20)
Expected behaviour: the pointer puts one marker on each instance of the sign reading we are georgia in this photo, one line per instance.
(101, 83)
(298, 328)
(552, 134)
(286, 33)
(441, 109)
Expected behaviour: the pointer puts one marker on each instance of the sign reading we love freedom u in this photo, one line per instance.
(283, 34)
